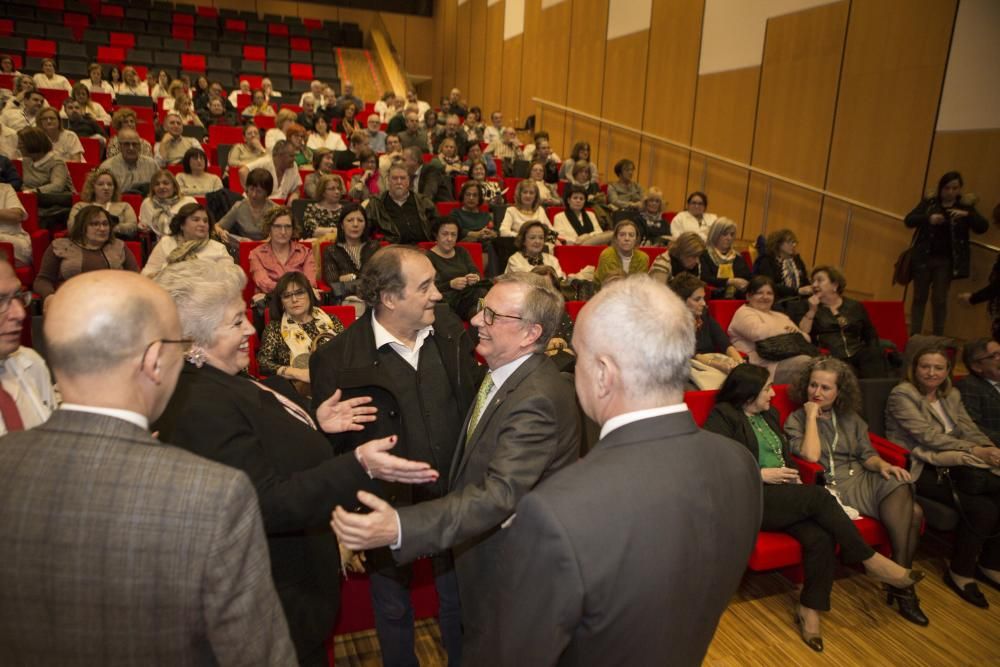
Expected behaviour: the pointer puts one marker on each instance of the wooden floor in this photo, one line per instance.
(860, 630)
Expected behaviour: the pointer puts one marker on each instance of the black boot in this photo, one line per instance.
(909, 604)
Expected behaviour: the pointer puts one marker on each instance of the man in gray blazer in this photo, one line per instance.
(118, 549)
(522, 427)
(630, 556)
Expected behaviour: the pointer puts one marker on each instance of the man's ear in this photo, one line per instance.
(606, 374)
(151, 364)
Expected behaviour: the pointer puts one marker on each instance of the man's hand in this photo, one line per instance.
(366, 531)
(336, 416)
(374, 456)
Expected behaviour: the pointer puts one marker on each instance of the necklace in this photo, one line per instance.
(766, 436)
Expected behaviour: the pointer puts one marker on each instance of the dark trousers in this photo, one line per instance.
(868, 362)
(981, 518)
(933, 279)
(394, 615)
(812, 516)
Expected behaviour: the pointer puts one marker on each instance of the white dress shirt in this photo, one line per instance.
(125, 415)
(628, 417)
(410, 356)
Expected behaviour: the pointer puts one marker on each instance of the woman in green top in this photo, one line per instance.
(807, 512)
(474, 224)
(458, 277)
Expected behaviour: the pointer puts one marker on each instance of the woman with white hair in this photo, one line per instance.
(219, 414)
(721, 266)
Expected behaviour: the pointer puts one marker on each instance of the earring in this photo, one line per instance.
(196, 356)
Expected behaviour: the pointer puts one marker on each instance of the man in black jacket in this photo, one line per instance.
(981, 388)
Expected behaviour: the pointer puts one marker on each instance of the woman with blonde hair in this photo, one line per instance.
(131, 84)
(527, 207)
(48, 79)
(656, 230)
(321, 216)
(684, 256)
(259, 105)
(101, 189)
(282, 123)
(721, 266)
(95, 80)
(162, 204)
(184, 107)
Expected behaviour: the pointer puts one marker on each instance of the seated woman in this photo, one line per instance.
(89, 107)
(344, 260)
(24, 85)
(321, 216)
(284, 120)
(527, 207)
(195, 181)
(44, 173)
(101, 189)
(125, 119)
(297, 327)
(721, 266)
(492, 191)
(841, 325)
(828, 430)
(694, 219)
(163, 203)
(950, 458)
(322, 137)
(474, 224)
(296, 135)
(782, 264)
(580, 152)
(549, 194)
(7, 66)
(245, 220)
(131, 84)
(322, 166)
(576, 225)
(215, 113)
(96, 82)
(184, 107)
(187, 240)
(65, 144)
(473, 157)
(755, 321)
(712, 347)
(161, 89)
(367, 183)
(48, 79)
(251, 149)
(177, 88)
(280, 254)
(90, 246)
(458, 277)
(12, 214)
(349, 123)
(622, 256)
(532, 251)
(259, 105)
(683, 256)
(449, 159)
(807, 512)
(656, 230)
(231, 419)
(115, 78)
(624, 194)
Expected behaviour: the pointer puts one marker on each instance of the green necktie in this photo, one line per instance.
(477, 411)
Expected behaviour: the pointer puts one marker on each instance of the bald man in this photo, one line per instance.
(629, 556)
(119, 549)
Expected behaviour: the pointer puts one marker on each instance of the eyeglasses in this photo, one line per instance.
(24, 296)
(294, 295)
(185, 343)
(490, 315)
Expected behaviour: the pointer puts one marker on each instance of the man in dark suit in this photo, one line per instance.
(523, 426)
(630, 556)
(117, 548)
(981, 387)
(411, 355)
(427, 179)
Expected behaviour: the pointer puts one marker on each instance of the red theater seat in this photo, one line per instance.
(722, 310)
(40, 48)
(574, 258)
(301, 71)
(111, 55)
(251, 52)
(191, 62)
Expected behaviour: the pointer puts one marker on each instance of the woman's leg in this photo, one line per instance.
(921, 290)
(940, 269)
(818, 563)
(896, 514)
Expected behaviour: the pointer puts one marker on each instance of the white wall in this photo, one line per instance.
(971, 96)
(513, 18)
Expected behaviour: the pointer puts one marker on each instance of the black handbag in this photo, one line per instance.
(785, 346)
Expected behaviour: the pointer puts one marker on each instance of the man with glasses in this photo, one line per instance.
(522, 427)
(981, 387)
(281, 165)
(26, 395)
(131, 169)
(147, 553)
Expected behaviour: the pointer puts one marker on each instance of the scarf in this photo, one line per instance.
(581, 227)
(725, 263)
(186, 250)
(163, 212)
(298, 341)
(790, 273)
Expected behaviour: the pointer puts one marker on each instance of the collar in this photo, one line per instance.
(383, 337)
(125, 415)
(626, 418)
(503, 373)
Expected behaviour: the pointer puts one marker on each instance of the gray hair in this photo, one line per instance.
(718, 228)
(383, 273)
(647, 330)
(202, 291)
(543, 305)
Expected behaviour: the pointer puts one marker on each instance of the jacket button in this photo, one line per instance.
(392, 413)
(375, 363)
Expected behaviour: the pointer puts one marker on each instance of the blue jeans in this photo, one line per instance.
(394, 616)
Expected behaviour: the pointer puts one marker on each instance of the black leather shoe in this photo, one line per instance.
(909, 604)
(970, 592)
(981, 576)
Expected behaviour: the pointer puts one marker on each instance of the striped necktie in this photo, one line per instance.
(477, 411)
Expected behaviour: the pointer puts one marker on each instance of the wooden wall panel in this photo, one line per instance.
(477, 53)
(534, 34)
(546, 74)
(463, 41)
(665, 167)
(585, 73)
(869, 274)
(785, 207)
(894, 64)
(417, 58)
(510, 86)
(395, 26)
(623, 99)
(495, 65)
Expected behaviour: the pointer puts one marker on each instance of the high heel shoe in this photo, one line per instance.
(815, 642)
(909, 604)
(911, 577)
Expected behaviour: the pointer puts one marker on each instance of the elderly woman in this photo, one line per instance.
(721, 266)
(952, 462)
(622, 257)
(492, 190)
(188, 240)
(624, 194)
(296, 135)
(161, 89)
(322, 163)
(88, 107)
(48, 78)
(367, 182)
(184, 107)
(783, 265)
(807, 512)
(24, 85)
(449, 159)
(90, 246)
(12, 215)
(126, 119)
(101, 189)
(280, 254)
(349, 123)
(941, 224)
(284, 120)
(344, 260)
(259, 105)
(579, 153)
(756, 321)
(251, 149)
(527, 207)
(694, 219)
(162, 204)
(297, 327)
(225, 417)
(45, 174)
(95, 80)
(841, 325)
(322, 137)
(472, 158)
(576, 225)
(65, 143)
(684, 256)
(131, 84)
(532, 251)
(474, 224)
(457, 277)
(216, 113)
(828, 430)
(712, 346)
(195, 181)
(549, 193)
(245, 220)
(321, 216)
(656, 230)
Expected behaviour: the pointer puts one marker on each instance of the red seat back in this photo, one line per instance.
(277, 29)
(700, 403)
(6, 27)
(91, 151)
(192, 62)
(54, 96)
(78, 172)
(104, 99)
(573, 308)
(183, 19)
(300, 44)
(889, 319)
(135, 247)
(111, 55)
(783, 403)
(40, 48)
(184, 32)
(251, 52)
(234, 180)
(573, 258)
(123, 39)
(235, 25)
(301, 71)
(346, 314)
(722, 310)
(224, 134)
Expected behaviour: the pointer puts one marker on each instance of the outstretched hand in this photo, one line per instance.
(336, 416)
(379, 463)
(358, 532)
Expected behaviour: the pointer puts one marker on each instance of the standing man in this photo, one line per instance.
(26, 395)
(117, 548)
(630, 556)
(523, 427)
(981, 387)
(411, 354)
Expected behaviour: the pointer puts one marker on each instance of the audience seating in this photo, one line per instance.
(246, 247)
(574, 258)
